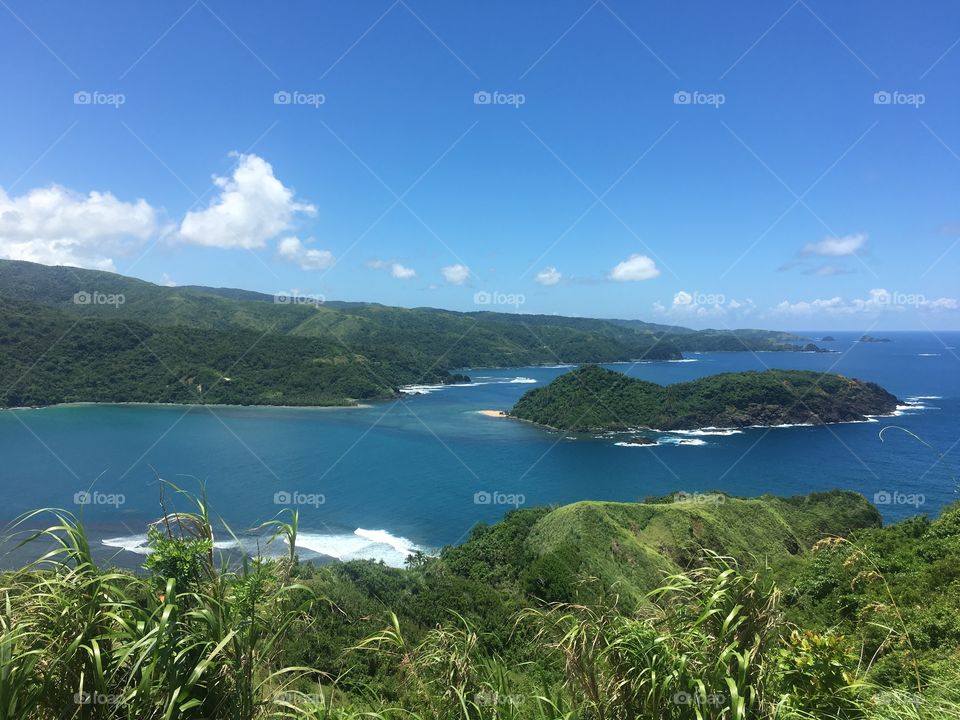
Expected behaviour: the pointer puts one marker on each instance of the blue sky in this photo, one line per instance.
(768, 164)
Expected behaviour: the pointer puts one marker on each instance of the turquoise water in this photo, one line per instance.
(399, 475)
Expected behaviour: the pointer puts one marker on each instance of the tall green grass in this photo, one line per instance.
(200, 637)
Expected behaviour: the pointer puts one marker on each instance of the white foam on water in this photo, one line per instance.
(708, 431)
(928, 354)
(685, 360)
(131, 543)
(664, 441)
(428, 389)
(362, 544)
(914, 405)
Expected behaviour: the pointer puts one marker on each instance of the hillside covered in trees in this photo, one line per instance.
(70, 335)
(594, 398)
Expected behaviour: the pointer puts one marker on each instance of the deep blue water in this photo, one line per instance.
(412, 469)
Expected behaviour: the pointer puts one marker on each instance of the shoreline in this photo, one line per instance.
(138, 403)
(711, 429)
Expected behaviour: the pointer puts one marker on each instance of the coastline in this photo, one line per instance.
(712, 429)
(94, 403)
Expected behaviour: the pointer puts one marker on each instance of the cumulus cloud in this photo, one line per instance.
(401, 272)
(548, 276)
(167, 281)
(397, 270)
(837, 246)
(253, 207)
(292, 249)
(57, 226)
(634, 268)
(455, 274)
(879, 300)
(703, 305)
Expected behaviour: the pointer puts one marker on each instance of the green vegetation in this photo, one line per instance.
(593, 398)
(683, 607)
(209, 345)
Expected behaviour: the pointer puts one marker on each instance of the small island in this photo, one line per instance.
(872, 339)
(592, 398)
(828, 338)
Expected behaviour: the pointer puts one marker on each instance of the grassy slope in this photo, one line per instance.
(633, 546)
(593, 398)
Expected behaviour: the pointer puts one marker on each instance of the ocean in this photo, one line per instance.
(396, 476)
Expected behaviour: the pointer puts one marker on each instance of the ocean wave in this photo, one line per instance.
(131, 543)
(708, 431)
(928, 354)
(664, 441)
(428, 389)
(362, 544)
(911, 406)
(685, 360)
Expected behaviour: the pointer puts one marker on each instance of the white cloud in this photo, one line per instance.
(253, 207)
(703, 305)
(57, 226)
(401, 272)
(455, 274)
(879, 300)
(837, 246)
(293, 250)
(636, 267)
(167, 281)
(941, 304)
(397, 270)
(548, 276)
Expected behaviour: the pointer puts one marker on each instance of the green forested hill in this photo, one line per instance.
(593, 398)
(163, 344)
(680, 608)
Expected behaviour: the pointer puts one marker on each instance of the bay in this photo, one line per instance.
(418, 473)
